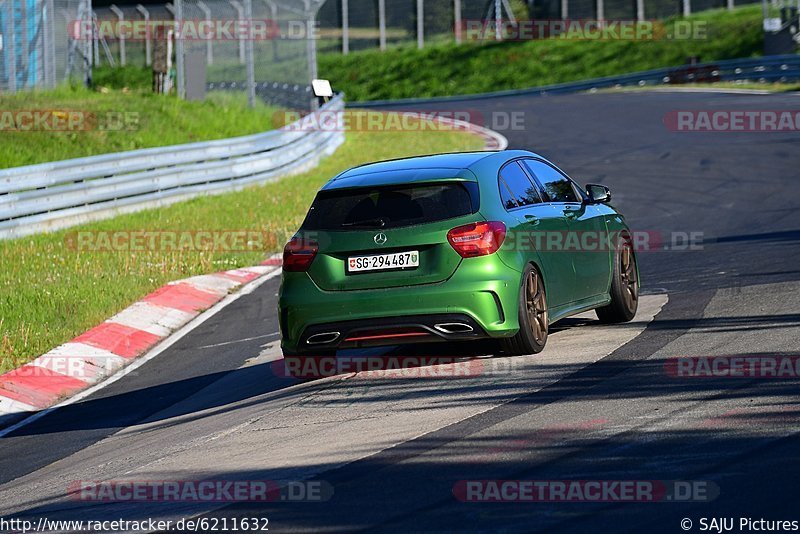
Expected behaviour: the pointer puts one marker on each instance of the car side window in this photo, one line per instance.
(521, 187)
(509, 202)
(557, 187)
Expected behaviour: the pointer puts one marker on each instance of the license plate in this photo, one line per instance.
(381, 262)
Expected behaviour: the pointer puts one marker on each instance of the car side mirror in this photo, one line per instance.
(598, 194)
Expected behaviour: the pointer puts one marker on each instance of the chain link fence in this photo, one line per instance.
(36, 47)
(226, 45)
(275, 59)
(348, 25)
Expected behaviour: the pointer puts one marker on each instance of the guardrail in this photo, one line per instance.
(784, 68)
(55, 195)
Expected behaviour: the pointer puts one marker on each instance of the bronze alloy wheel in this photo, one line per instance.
(629, 278)
(533, 317)
(536, 306)
(624, 290)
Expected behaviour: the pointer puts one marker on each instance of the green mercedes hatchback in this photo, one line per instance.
(453, 247)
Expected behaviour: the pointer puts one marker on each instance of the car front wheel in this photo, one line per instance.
(533, 319)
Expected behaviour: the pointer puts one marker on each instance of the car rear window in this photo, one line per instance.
(392, 206)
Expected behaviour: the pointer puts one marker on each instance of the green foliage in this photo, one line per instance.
(50, 292)
(118, 120)
(449, 69)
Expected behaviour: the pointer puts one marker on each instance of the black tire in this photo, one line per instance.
(533, 318)
(624, 287)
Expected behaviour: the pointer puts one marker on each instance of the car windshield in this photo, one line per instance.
(391, 206)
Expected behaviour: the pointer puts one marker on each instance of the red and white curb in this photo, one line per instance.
(99, 353)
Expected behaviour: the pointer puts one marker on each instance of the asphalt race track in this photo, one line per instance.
(599, 404)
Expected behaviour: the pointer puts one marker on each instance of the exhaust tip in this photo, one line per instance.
(453, 328)
(323, 337)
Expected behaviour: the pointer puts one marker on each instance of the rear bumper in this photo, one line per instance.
(482, 293)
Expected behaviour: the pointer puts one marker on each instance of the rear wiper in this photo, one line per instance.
(379, 222)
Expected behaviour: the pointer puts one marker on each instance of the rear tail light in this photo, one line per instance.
(477, 239)
(298, 254)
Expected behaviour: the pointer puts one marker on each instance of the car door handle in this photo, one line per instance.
(531, 219)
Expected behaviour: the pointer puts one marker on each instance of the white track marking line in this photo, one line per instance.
(158, 349)
(238, 341)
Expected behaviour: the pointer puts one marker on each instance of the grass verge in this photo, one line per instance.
(451, 69)
(118, 120)
(49, 292)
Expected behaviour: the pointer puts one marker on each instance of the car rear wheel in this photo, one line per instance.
(624, 288)
(533, 319)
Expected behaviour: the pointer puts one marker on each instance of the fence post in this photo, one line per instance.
(48, 41)
(84, 13)
(498, 15)
(382, 24)
(10, 52)
(148, 51)
(207, 13)
(95, 39)
(179, 74)
(565, 9)
(249, 58)
(345, 28)
(601, 10)
(273, 11)
(311, 48)
(121, 37)
(240, 15)
(687, 8)
(420, 24)
(640, 10)
(730, 5)
(457, 19)
(24, 55)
